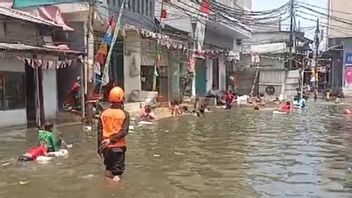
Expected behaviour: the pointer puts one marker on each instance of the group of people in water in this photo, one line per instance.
(114, 124)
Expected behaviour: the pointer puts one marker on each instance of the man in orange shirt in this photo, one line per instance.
(112, 129)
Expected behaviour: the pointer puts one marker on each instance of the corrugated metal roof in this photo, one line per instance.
(20, 15)
(10, 47)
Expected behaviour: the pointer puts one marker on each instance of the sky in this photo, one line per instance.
(258, 5)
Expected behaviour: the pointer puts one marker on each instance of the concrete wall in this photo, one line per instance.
(50, 94)
(18, 116)
(10, 32)
(13, 117)
(174, 76)
(222, 74)
(215, 38)
(132, 62)
(209, 65)
(336, 7)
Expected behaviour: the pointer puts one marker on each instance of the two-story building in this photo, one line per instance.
(28, 65)
(215, 34)
(340, 46)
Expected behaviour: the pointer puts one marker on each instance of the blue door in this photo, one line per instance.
(200, 77)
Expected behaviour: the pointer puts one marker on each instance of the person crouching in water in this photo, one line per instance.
(146, 113)
(112, 129)
(34, 152)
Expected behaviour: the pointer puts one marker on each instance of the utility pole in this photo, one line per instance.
(291, 44)
(317, 43)
(90, 69)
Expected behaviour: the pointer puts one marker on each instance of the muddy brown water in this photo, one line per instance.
(241, 153)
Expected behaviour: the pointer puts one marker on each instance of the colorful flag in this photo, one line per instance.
(34, 3)
(106, 42)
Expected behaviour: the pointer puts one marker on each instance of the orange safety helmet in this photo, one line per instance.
(116, 95)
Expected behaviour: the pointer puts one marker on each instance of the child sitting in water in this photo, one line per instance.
(175, 108)
(199, 109)
(146, 113)
(52, 142)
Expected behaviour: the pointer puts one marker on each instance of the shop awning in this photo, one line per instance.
(44, 50)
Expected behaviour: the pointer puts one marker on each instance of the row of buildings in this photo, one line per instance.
(195, 48)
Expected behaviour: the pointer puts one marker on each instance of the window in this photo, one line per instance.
(12, 90)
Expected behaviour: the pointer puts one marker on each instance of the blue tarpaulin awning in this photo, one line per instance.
(31, 3)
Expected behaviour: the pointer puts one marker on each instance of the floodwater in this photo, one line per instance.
(241, 153)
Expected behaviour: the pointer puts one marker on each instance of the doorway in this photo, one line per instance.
(201, 80)
(216, 73)
(30, 95)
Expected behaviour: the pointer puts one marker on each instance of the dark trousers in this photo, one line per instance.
(114, 160)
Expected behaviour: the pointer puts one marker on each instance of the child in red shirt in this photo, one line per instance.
(33, 153)
(286, 107)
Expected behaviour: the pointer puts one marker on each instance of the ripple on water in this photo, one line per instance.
(242, 153)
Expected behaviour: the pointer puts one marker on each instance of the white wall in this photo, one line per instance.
(12, 117)
(50, 93)
(209, 64)
(132, 70)
(222, 74)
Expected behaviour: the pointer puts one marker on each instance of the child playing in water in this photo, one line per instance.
(33, 153)
(286, 107)
(146, 113)
(229, 99)
(175, 108)
(199, 108)
(47, 136)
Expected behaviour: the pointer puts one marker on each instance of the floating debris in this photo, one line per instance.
(5, 164)
(156, 155)
(87, 128)
(23, 182)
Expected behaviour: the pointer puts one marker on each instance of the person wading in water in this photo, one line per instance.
(112, 129)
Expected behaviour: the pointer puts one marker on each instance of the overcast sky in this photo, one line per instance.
(271, 4)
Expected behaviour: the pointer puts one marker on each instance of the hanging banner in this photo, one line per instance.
(201, 24)
(348, 77)
(31, 3)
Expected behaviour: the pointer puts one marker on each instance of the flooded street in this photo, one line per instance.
(241, 153)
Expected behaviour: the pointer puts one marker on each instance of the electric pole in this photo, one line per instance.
(291, 44)
(90, 69)
(317, 43)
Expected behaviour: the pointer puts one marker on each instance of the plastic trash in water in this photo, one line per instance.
(23, 182)
(133, 119)
(156, 155)
(88, 128)
(5, 164)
